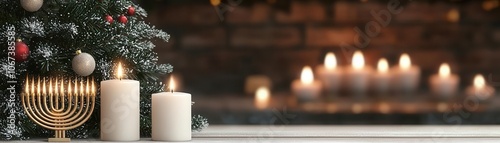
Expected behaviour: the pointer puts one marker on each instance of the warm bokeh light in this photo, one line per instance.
(358, 61)
(444, 70)
(404, 61)
(307, 76)
(479, 81)
(357, 108)
(330, 61)
(119, 71)
(171, 84)
(382, 66)
(262, 97)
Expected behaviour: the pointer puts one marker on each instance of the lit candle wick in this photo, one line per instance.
(171, 84)
(119, 72)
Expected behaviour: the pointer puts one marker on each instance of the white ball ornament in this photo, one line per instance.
(83, 64)
(31, 5)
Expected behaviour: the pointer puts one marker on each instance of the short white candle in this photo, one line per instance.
(381, 79)
(407, 76)
(262, 96)
(120, 109)
(306, 88)
(171, 115)
(358, 76)
(444, 84)
(480, 89)
(330, 74)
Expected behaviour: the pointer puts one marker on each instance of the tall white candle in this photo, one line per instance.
(480, 89)
(381, 79)
(444, 84)
(306, 89)
(358, 75)
(171, 115)
(330, 74)
(407, 76)
(120, 109)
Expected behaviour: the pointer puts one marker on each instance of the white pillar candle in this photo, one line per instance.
(171, 115)
(358, 76)
(262, 96)
(381, 79)
(120, 109)
(444, 84)
(306, 89)
(480, 89)
(407, 76)
(330, 75)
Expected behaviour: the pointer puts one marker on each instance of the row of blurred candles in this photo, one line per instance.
(358, 79)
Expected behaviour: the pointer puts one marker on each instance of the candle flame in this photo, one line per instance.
(382, 66)
(358, 61)
(76, 86)
(444, 70)
(62, 86)
(56, 89)
(262, 93)
(33, 85)
(119, 71)
(81, 88)
(87, 87)
(50, 85)
(69, 87)
(479, 81)
(262, 97)
(404, 61)
(171, 84)
(330, 61)
(44, 91)
(307, 76)
(26, 85)
(38, 86)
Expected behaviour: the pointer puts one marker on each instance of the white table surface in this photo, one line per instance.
(344, 134)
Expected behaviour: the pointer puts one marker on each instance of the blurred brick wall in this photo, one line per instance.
(214, 54)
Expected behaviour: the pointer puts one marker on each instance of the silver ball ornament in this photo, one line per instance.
(83, 64)
(31, 5)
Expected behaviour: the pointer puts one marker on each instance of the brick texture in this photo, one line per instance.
(262, 38)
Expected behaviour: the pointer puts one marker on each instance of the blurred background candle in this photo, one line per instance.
(444, 84)
(381, 79)
(330, 74)
(358, 75)
(480, 89)
(262, 97)
(171, 115)
(407, 76)
(120, 109)
(306, 89)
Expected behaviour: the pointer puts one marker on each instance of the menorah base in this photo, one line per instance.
(59, 139)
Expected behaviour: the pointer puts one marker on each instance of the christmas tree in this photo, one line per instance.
(42, 37)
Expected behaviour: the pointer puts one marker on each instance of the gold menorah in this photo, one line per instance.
(55, 108)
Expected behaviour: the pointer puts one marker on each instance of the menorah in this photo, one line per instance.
(55, 108)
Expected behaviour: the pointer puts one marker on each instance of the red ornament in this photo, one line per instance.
(109, 19)
(122, 19)
(131, 10)
(21, 52)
